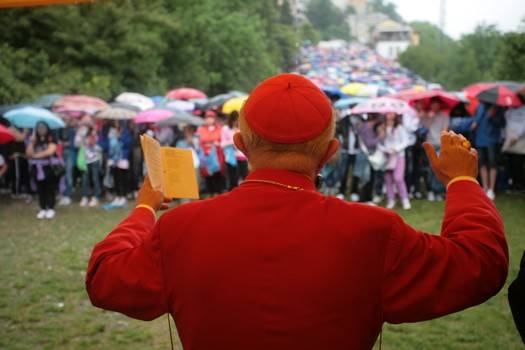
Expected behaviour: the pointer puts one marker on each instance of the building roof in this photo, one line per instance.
(392, 26)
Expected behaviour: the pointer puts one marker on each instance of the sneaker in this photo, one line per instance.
(431, 197)
(50, 213)
(406, 204)
(84, 202)
(377, 199)
(391, 204)
(115, 201)
(354, 197)
(491, 194)
(418, 195)
(372, 204)
(123, 202)
(64, 201)
(340, 196)
(93, 202)
(41, 214)
(439, 198)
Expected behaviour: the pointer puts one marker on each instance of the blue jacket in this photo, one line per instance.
(488, 129)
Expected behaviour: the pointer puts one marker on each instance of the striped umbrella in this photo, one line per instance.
(77, 105)
(118, 111)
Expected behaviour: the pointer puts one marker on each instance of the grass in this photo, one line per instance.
(43, 303)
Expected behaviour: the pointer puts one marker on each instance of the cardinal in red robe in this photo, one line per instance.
(274, 264)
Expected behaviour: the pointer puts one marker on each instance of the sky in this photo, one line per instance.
(462, 16)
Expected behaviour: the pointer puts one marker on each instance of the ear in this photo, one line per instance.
(239, 143)
(333, 146)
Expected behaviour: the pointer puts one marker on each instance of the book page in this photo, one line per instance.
(180, 180)
(153, 160)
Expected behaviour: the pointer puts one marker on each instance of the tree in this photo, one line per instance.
(328, 20)
(510, 62)
(387, 8)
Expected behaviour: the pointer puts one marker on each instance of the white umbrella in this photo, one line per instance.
(181, 105)
(136, 99)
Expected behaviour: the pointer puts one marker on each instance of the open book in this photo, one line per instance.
(170, 170)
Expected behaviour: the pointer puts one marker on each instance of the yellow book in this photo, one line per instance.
(170, 169)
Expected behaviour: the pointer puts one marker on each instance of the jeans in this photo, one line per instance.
(70, 162)
(92, 173)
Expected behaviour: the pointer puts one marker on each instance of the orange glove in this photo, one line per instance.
(150, 198)
(456, 159)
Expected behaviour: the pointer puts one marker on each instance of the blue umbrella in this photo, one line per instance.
(28, 117)
(348, 102)
(332, 91)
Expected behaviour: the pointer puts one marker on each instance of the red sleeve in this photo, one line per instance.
(427, 276)
(125, 270)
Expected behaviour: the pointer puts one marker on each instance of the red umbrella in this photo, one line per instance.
(449, 100)
(185, 94)
(5, 135)
(504, 94)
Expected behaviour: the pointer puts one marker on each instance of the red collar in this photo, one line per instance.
(285, 177)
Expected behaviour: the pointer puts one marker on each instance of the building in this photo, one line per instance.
(391, 38)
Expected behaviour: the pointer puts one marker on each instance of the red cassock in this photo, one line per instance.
(266, 267)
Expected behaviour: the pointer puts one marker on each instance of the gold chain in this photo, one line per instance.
(290, 187)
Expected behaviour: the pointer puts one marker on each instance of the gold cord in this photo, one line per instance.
(290, 187)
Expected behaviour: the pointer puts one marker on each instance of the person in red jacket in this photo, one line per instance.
(274, 264)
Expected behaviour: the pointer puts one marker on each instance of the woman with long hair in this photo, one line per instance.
(41, 152)
(394, 144)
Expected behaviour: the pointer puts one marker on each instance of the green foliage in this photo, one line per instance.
(484, 55)
(510, 63)
(328, 20)
(108, 47)
(386, 7)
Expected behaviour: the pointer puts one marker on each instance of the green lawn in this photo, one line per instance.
(43, 304)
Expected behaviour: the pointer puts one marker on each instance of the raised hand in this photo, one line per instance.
(456, 158)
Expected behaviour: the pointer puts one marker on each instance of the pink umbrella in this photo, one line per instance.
(5, 135)
(383, 105)
(185, 94)
(77, 105)
(153, 116)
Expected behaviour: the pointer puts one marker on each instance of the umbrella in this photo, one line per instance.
(237, 93)
(185, 94)
(181, 105)
(27, 117)
(383, 105)
(218, 100)
(181, 117)
(353, 88)
(332, 91)
(5, 135)
(118, 111)
(425, 97)
(234, 105)
(47, 101)
(349, 102)
(154, 115)
(374, 91)
(77, 105)
(502, 94)
(136, 99)
(158, 99)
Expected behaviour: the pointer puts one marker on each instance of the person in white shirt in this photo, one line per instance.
(396, 140)
(514, 146)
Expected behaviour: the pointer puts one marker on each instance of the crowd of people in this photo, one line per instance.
(92, 161)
